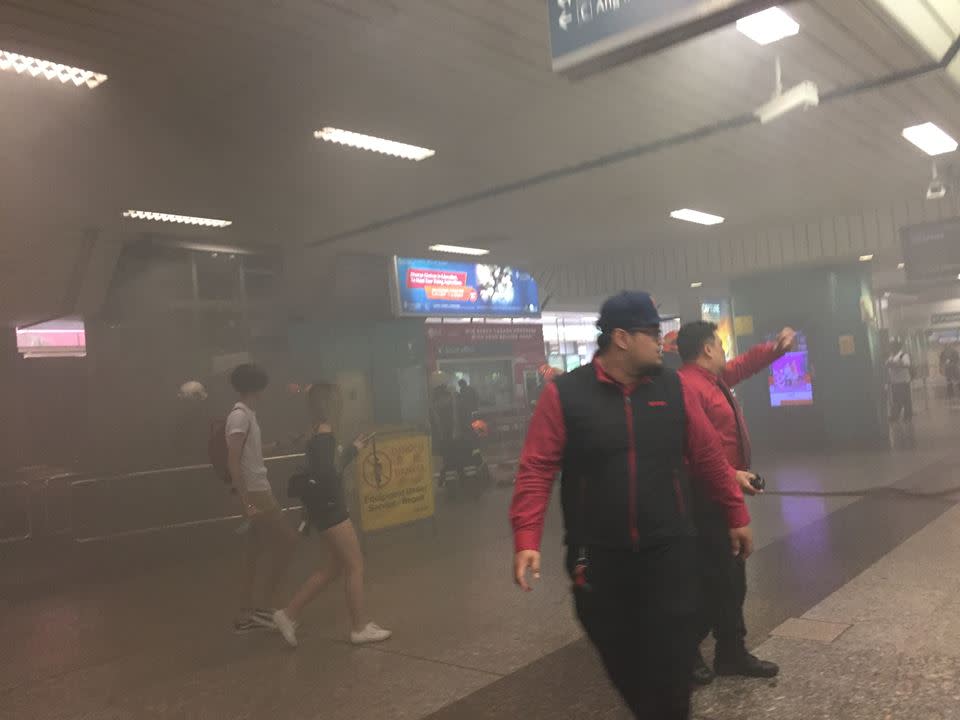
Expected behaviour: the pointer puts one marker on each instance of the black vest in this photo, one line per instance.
(624, 483)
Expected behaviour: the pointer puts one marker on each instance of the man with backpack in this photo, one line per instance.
(269, 534)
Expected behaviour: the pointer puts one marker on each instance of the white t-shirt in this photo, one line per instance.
(243, 421)
(899, 366)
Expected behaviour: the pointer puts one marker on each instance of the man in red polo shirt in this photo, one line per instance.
(709, 377)
(620, 430)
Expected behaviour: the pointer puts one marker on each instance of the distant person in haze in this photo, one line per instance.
(193, 418)
(898, 367)
(326, 511)
(622, 430)
(269, 534)
(950, 369)
(443, 422)
(709, 377)
(469, 401)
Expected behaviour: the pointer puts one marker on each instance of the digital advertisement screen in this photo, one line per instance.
(791, 382)
(720, 314)
(464, 289)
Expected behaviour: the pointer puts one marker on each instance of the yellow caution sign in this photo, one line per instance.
(395, 481)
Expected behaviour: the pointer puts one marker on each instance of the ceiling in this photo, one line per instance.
(211, 104)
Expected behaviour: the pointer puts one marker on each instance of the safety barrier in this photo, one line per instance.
(91, 508)
(16, 517)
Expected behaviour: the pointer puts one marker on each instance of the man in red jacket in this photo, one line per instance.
(709, 377)
(620, 429)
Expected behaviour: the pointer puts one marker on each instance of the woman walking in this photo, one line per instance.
(326, 507)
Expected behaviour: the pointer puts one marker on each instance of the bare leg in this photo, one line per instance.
(281, 539)
(251, 556)
(313, 586)
(346, 548)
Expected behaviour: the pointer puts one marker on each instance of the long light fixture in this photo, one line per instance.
(182, 219)
(20, 64)
(930, 138)
(695, 216)
(374, 144)
(866, 258)
(768, 26)
(696, 285)
(457, 250)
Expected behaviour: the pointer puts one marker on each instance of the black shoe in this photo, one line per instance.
(702, 675)
(747, 666)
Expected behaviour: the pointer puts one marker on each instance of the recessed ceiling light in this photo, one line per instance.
(374, 144)
(901, 266)
(930, 138)
(696, 284)
(866, 258)
(182, 219)
(768, 26)
(20, 64)
(695, 216)
(457, 250)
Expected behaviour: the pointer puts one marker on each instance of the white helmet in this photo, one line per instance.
(193, 390)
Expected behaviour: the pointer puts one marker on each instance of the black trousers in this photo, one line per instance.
(640, 611)
(901, 400)
(724, 584)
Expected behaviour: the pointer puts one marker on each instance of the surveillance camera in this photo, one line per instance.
(936, 190)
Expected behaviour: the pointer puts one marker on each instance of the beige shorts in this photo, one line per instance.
(263, 502)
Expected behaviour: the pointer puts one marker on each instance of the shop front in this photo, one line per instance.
(501, 361)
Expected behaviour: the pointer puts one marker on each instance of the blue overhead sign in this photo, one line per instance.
(589, 35)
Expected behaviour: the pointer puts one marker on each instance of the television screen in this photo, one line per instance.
(791, 382)
(464, 289)
(65, 337)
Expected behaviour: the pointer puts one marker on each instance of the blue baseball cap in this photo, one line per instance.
(628, 311)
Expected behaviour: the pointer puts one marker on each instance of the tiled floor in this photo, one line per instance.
(139, 628)
(899, 657)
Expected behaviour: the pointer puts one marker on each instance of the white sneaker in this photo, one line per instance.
(286, 626)
(372, 633)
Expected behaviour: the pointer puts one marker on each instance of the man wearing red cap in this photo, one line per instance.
(620, 429)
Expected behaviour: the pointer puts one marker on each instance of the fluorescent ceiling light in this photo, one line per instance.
(696, 284)
(931, 139)
(695, 216)
(374, 144)
(20, 64)
(182, 219)
(457, 250)
(866, 258)
(768, 26)
(901, 266)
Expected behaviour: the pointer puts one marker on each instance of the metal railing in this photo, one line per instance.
(91, 508)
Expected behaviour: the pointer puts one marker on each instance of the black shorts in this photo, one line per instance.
(325, 514)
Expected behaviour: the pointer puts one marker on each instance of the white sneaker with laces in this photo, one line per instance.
(286, 626)
(372, 633)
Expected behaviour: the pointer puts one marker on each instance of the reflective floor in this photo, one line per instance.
(859, 588)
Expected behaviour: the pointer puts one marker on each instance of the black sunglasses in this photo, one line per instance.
(651, 332)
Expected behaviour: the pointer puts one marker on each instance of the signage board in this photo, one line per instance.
(395, 481)
(950, 318)
(931, 251)
(591, 35)
(441, 288)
